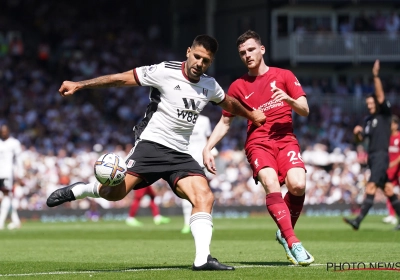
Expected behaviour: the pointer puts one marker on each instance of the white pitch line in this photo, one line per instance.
(131, 270)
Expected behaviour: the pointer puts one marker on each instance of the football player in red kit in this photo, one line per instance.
(138, 195)
(271, 149)
(393, 171)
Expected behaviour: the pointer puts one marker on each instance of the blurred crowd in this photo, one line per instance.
(377, 21)
(62, 137)
(332, 177)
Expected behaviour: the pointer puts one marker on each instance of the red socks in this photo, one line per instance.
(134, 207)
(279, 211)
(295, 205)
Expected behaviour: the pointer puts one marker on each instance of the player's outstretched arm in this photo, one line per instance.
(233, 106)
(114, 80)
(379, 93)
(220, 130)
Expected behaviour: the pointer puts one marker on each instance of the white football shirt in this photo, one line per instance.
(10, 149)
(201, 132)
(175, 103)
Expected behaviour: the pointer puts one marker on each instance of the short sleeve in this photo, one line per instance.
(219, 94)
(149, 75)
(293, 87)
(385, 107)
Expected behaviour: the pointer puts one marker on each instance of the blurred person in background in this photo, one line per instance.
(393, 171)
(10, 169)
(377, 130)
(155, 210)
(272, 149)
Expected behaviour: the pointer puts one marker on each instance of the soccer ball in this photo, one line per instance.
(110, 169)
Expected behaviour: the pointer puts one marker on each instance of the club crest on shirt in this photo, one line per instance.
(205, 91)
(256, 163)
(374, 122)
(151, 69)
(273, 85)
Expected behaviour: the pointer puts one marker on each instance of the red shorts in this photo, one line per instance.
(280, 155)
(393, 177)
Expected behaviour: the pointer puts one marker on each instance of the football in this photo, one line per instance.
(110, 169)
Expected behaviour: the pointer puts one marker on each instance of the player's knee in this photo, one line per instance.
(370, 188)
(203, 198)
(298, 188)
(270, 184)
(112, 193)
(388, 190)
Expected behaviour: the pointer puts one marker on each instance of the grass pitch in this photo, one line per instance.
(112, 250)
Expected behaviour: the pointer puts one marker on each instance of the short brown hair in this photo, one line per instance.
(249, 34)
(395, 119)
(208, 42)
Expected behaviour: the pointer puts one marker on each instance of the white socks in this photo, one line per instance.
(4, 208)
(187, 211)
(82, 190)
(201, 227)
(14, 214)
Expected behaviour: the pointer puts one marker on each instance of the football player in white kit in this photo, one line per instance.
(178, 93)
(10, 149)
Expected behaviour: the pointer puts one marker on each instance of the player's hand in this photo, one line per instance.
(279, 95)
(208, 161)
(258, 118)
(375, 69)
(358, 129)
(68, 88)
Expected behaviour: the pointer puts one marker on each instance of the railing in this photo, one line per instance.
(331, 47)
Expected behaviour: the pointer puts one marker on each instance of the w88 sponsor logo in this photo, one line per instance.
(187, 115)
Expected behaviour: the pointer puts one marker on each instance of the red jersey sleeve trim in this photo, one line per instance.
(227, 114)
(136, 77)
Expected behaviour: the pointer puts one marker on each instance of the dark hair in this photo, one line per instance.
(373, 96)
(395, 119)
(249, 34)
(208, 42)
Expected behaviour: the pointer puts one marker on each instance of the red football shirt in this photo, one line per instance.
(394, 152)
(255, 93)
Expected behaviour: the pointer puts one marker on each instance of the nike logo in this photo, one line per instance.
(295, 162)
(308, 256)
(281, 217)
(247, 96)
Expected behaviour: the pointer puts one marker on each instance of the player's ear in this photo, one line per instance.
(262, 49)
(188, 52)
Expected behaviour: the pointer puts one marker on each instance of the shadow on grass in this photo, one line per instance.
(155, 268)
(263, 263)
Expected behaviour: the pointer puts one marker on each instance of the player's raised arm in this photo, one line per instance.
(220, 130)
(123, 79)
(380, 95)
(233, 106)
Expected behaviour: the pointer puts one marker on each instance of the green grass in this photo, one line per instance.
(112, 250)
